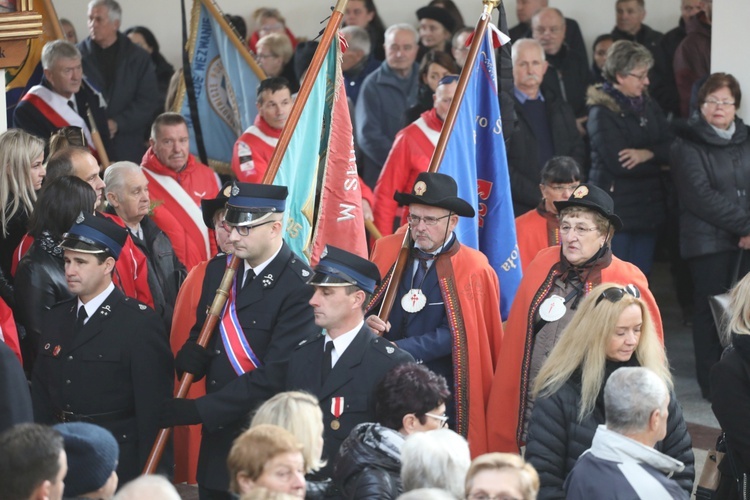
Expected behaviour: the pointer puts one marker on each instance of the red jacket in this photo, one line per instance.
(535, 231)
(253, 151)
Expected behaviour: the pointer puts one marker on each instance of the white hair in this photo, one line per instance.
(523, 42)
(357, 38)
(435, 459)
(402, 27)
(630, 397)
(151, 487)
(114, 176)
(114, 11)
(58, 49)
(427, 494)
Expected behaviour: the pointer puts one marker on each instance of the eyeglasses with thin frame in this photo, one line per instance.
(414, 220)
(559, 188)
(243, 230)
(639, 77)
(481, 495)
(616, 293)
(713, 103)
(580, 230)
(442, 418)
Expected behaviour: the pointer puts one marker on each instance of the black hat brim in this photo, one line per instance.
(210, 207)
(613, 218)
(452, 203)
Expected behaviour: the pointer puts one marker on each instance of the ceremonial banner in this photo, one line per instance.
(475, 157)
(225, 79)
(21, 79)
(340, 219)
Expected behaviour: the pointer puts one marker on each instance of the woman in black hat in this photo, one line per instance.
(436, 27)
(553, 285)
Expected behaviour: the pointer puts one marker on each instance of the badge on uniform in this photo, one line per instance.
(142, 307)
(337, 408)
(267, 280)
(390, 350)
(56, 351)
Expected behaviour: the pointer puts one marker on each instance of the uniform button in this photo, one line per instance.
(100, 356)
(67, 407)
(67, 381)
(213, 382)
(253, 321)
(218, 351)
(70, 358)
(124, 436)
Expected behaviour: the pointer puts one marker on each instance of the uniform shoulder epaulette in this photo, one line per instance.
(63, 303)
(137, 305)
(384, 346)
(300, 268)
(309, 340)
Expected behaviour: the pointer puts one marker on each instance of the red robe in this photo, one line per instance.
(535, 231)
(8, 331)
(187, 439)
(509, 385)
(410, 155)
(197, 182)
(253, 151)
(471, 292)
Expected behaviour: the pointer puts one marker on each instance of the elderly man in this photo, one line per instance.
(63, 98)
(622, 461)
(459, 48)
(254, 148)
(447, 310)
(267, 314)
(178, 181)
(546, 126)
(128, 197)
(569, 77)
(342, 367)
(525, 10)
(411, 154)
(357, 62)
(383, 98)
(668, 45)
(33, 463)
(126, 77)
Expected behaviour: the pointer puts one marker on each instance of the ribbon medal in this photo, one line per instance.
(337, 408)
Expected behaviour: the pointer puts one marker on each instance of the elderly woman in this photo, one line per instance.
(611, 329)
(540, 228)
(629, 146)
(711, 169)
(435, 459)
(501, 475)
(547, 298)
(274, 54)
(730, 393)
(268, 20)
(435, 65)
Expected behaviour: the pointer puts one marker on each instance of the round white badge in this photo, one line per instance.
(413, 301)
(553, 308)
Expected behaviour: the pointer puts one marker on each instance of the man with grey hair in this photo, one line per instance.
(126, 77)
(546, 126)
(357, 63)
(525, 10)
(63, 98)
(622, 461)
(435, 459)
(150, 486)
(127, 194)
(383, 98)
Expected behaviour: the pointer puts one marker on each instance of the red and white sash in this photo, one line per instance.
(241, 356)
(55, 108)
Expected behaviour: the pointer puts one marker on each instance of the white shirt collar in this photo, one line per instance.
(341, 342)
(93, 304)
(260, 267)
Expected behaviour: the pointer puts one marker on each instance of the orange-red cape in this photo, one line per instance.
(533, 235)
(509, 385)
(471, 292)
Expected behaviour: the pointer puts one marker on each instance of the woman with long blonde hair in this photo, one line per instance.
(612, 328)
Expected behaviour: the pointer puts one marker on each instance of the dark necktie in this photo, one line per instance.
(81, 317)
(72, 106)
(327, 361)
(422, 258)
(249, 276)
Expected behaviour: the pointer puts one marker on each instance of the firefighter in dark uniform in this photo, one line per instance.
(266, 316)
(104, 358)
(342, 366)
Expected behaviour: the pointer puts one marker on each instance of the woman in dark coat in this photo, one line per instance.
(629, 146)
(711, 170)
(144, 38)
(730, 395)
(611, 328)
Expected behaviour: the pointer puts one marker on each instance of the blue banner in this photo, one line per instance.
(475, 157)
(225, 85)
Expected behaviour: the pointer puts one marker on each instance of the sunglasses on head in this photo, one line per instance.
(616, 293)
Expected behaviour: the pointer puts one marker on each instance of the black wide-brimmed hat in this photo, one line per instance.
(250, 202)
(209, 206)
(595, 198)
(436, 190)
(92, 234)
(338, 267)
(438, 14)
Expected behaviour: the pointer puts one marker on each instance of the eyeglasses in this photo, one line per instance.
(715, 104)
(639, 77)
(484, 496)
(559, 188)
(616, 293)
(442, 418)
(414, 220)
(579, 230)
(243, 230)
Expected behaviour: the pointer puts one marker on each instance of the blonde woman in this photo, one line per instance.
(274, 55)
(501, 475)
(611, 328)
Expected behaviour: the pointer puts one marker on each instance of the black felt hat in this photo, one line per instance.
(209, 206)
(250, 202)
(436, 190)
(595, 198)
(437, 14)
(338, 267)
(92, 234)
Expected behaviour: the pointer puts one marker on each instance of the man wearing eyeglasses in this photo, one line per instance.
(546, 126)
(266, 316)
(447, 308)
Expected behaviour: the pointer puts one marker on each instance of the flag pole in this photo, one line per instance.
(437, 157)
(217, 306)
(233, 37)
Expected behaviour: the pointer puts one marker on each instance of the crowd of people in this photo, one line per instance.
(115, 239)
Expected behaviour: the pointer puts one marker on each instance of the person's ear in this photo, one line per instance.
(246, 484)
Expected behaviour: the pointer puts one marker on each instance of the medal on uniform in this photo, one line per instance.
(56, 351)
(337, 408)
(413, 301)
(553, 308)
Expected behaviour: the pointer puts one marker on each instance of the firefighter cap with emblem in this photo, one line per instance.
(249, 204)
(338, 267)
(436, 190)
(95, 234)
(594, 198)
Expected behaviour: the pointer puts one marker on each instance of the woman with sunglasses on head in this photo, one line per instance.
(711, 170)
(611, 329)
(553, 285)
